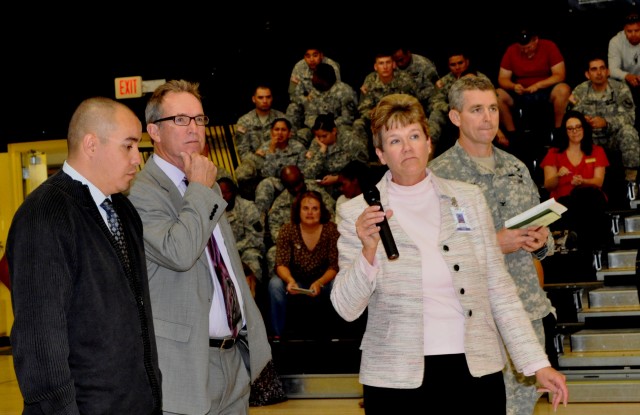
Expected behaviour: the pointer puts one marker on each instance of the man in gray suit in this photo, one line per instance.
(207, 369)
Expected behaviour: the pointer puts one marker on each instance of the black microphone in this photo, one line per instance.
(372, 196)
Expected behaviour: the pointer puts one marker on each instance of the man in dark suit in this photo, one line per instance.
(207, 368)
(83, 339)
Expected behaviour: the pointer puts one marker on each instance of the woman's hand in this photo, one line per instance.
(290, 286)
(552, 381)
(316, 287)
(368, 231)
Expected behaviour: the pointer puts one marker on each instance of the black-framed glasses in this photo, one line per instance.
(575, 128)
(184, 120)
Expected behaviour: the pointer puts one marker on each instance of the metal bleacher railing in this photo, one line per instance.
(220, 147)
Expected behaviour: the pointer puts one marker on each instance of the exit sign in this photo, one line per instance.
(129, 87)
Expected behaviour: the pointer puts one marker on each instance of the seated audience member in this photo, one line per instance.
(332, 148)
(608, 107)
(279, 213)
(280, 151)
(574, 172)
(384, 80)
(443, 132)
(421, 69)
(253, 129)
(532, 71)
(306, 257)
(303, 69)
(327, 95)
(351, 179)
(248, 229)
(623, 52)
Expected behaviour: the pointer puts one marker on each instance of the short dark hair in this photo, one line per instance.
(284, 120)
(325, 215)
(229, 182)
(324, 122)
(526, 35)
(355, 169)
(631, 18)
(325, 72)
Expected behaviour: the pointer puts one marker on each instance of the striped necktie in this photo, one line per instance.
(232, 305)
(116, 229)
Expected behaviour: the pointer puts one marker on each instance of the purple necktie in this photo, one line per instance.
(234, 315)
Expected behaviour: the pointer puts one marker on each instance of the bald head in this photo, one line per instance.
(95, 115)
(103, 143)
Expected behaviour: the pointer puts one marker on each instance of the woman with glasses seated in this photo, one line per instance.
(574, 173)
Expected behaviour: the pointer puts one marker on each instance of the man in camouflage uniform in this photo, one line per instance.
(459, 65)
(384, 80)
(327, 95)
(294, 182)
(331, 149)
(608, 106)
(421, 69)
(303, 70)
(248, 230)
(509, 191)
(253, 129)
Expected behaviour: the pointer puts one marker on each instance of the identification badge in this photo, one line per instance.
(459, 217)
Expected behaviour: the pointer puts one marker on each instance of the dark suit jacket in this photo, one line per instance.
(82, 339)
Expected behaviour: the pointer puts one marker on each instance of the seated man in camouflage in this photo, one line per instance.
(608, 106)
(248, 229)
(327, 95)
(253, 129)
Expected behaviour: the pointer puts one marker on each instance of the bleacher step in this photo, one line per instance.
(605, 273)
(622, 258)
(599, 390)
(613, 297)
(625, 311)
(590, 360)
(625, 236)
(317, 386)
(589, 340)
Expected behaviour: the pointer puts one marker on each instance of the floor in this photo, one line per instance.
(11, 402)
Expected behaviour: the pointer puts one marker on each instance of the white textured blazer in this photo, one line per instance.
(392, 345)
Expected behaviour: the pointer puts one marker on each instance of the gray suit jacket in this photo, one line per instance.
(392, 346)
(176, 231)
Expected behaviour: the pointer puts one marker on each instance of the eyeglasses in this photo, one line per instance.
(576, 128)
(184, 120)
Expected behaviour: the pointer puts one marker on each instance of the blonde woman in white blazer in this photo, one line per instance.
(436, 314)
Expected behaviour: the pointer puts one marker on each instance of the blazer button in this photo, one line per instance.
(445, 248)
(456, 267)
(461, 290)
(470, 313)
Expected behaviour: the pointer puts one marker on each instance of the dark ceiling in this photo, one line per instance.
(51, 63)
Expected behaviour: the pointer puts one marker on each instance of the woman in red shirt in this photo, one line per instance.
(574, 172)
